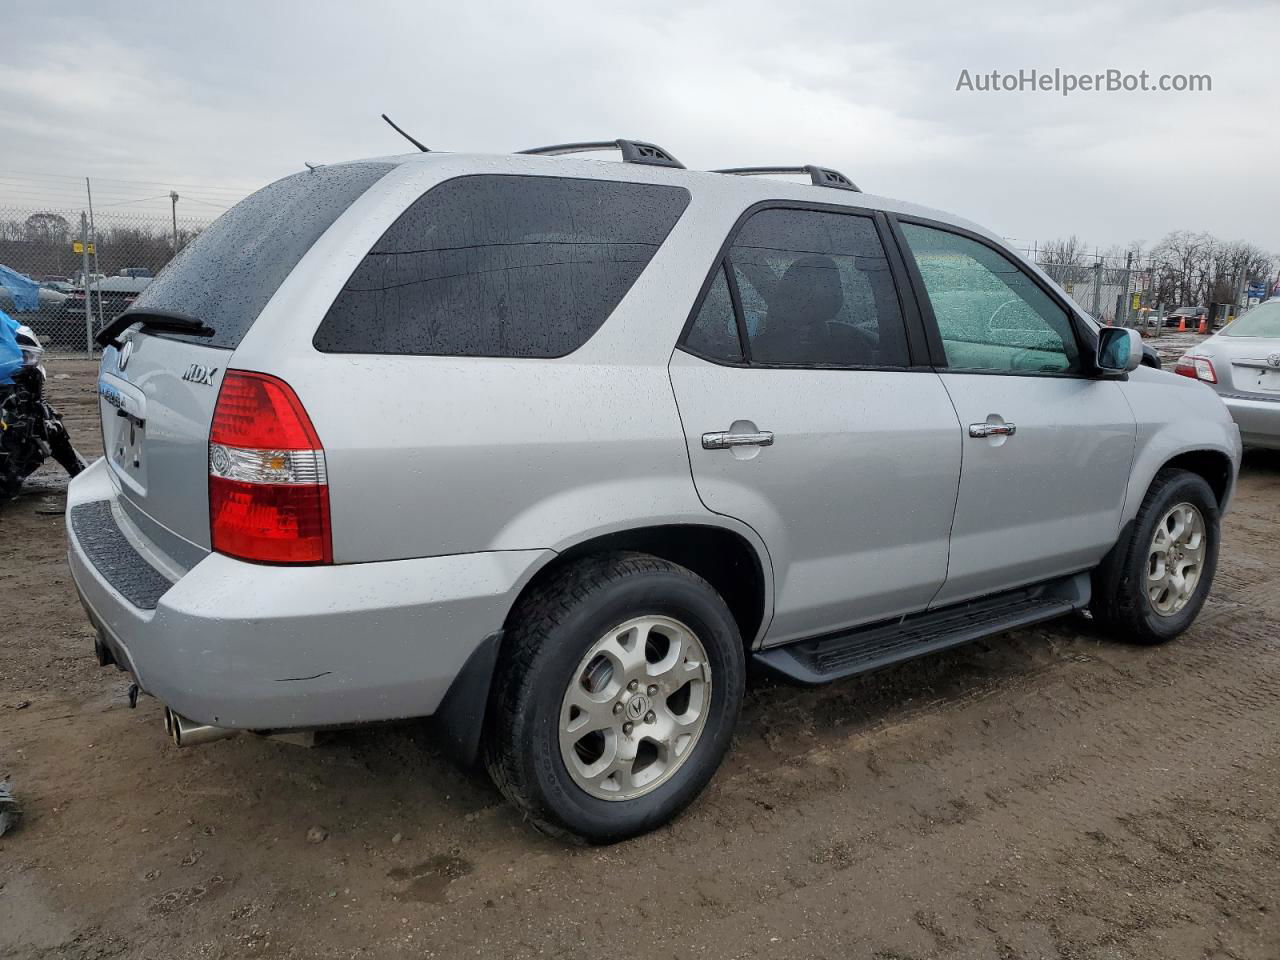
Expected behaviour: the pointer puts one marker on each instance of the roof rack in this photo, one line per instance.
(633, 151)
(820, 176)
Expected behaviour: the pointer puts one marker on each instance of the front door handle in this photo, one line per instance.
(992, 429)
(724, 439)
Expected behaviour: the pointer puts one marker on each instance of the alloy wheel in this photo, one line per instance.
(635, 707)
(1176, 558)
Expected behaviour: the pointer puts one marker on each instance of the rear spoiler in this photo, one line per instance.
(156, 320)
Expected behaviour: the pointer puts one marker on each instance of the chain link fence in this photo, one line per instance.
(89, 270)
(1113, 290)
(1132, 290)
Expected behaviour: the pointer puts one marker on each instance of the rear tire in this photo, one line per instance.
(619, 639)
(1153, 583)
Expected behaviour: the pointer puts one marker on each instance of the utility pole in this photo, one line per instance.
(1123, 319)
(93, 236)
(1097, 286)
(88, 305)
(173, 197)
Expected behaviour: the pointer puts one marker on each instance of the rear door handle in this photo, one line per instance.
(724, 439)
(992, 429)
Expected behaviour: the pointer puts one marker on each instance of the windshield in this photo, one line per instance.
(1262, 321)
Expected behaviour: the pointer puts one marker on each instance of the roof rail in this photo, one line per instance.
(820, 176)
(633, 151)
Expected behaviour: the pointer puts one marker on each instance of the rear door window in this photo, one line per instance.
(814, 289)
(501, 266)
(226, 275)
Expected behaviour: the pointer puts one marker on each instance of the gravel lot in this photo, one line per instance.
(1048, 793)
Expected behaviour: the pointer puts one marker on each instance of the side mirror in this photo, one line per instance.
(1119, 350)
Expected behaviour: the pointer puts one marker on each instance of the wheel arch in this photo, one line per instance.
(1208, 456)
(736, 568)
(1213, 465)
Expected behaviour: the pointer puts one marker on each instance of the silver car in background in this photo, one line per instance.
(1242, 363)
(548, 448)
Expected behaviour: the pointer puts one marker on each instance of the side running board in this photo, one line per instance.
(864, 649)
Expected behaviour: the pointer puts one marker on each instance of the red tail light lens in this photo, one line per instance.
(1197, 368)
(268, 489)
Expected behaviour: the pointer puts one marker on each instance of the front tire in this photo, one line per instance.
(1152, 585)
(615, 699)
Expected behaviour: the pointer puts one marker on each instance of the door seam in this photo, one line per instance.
(955, 507)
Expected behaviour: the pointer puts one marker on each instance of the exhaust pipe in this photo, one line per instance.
(188, 733)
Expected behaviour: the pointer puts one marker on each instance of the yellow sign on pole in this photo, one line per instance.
(78, 247)
(1137, 300)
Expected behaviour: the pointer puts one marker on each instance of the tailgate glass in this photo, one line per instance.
(226, 275)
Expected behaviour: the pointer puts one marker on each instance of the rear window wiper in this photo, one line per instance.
(155, 320)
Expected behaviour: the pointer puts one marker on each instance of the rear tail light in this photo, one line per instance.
(1197, 368)
(268, 490)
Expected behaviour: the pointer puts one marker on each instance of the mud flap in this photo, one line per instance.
(460, 717)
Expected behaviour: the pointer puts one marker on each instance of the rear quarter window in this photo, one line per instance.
(501, 266)
(226, 275)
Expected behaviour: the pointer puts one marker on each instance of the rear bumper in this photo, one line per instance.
(1258, 420)
(248, 646)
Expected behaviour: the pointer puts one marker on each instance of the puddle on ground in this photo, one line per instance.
(427, 882)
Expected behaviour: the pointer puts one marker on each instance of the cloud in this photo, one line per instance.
(233, 95)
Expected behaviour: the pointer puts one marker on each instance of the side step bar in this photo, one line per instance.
(864, 649)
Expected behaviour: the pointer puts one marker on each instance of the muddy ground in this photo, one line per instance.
(1049, 793)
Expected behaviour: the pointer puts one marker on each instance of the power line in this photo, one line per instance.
(119, 203)
(187, 196)
(77, 200)
(151, 183)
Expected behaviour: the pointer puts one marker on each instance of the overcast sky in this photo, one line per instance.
(217, 99)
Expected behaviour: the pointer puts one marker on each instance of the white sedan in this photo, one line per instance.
(1242, 363)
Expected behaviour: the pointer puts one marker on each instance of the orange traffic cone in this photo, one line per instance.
(1182, 325)
(1204, 325)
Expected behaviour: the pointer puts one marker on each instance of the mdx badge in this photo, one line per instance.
(198, 373)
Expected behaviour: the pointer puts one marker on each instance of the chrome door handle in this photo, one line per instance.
(992, 429)
(723, 439)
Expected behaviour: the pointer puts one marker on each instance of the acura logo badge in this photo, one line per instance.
(126, 351)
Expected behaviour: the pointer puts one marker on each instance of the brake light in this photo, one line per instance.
(268, 490)
(1197, 368)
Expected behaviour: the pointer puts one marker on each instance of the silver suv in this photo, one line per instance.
(548, 448)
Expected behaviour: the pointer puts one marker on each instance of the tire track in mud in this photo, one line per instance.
(1056, 754)
(1051, 763)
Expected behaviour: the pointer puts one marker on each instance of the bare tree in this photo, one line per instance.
(1196, 269)
(1235, 264)
(1182, 267)
(1066, 261)
(46, 228)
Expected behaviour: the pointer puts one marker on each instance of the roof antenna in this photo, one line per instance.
(405, 135)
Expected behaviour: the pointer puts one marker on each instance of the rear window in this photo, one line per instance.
(1262, 321)
(501, 266)
(226, 275)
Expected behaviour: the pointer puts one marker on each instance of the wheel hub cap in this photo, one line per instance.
(635, 707)
(1175, 561)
